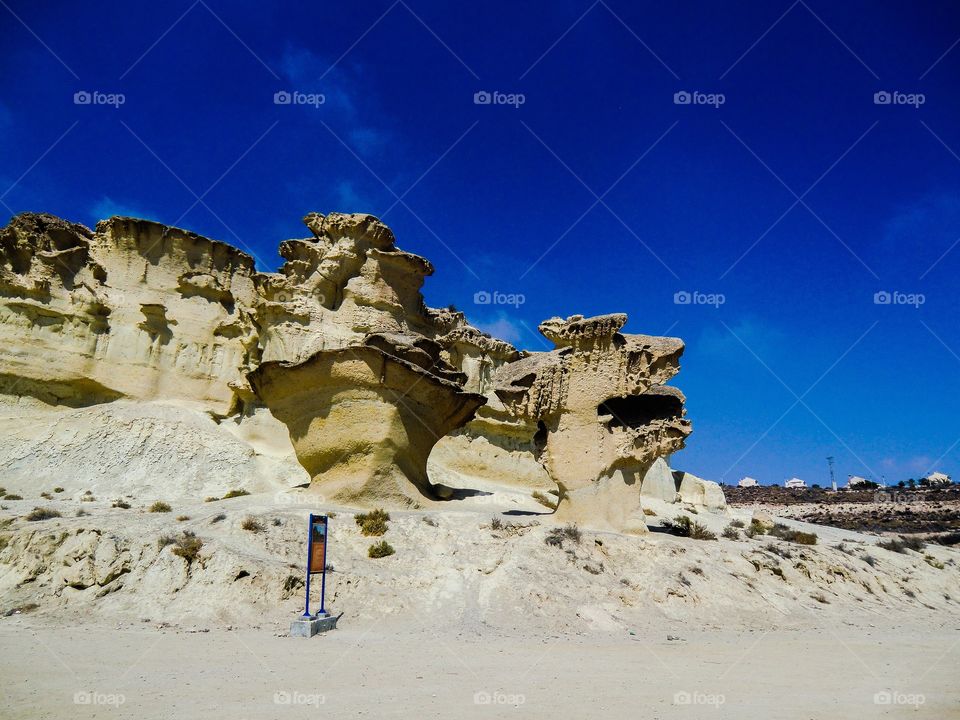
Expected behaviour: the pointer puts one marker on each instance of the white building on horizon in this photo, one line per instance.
(748, 482)
(936, 479)
(854, 480)
(795, 483)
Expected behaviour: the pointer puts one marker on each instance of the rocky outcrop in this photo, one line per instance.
(133, 310)
(603, 412)
(363, 422)
(384, 399)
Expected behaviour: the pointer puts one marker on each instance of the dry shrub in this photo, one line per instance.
(380, 549)
(730, 532)
(556, 536)
(188, 546)
(544, 500)
(683, 526)
(373, 523)
(251, 524)
(902, 544)
(42, 514)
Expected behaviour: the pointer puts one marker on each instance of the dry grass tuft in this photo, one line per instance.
(380, 549)
(373, 523)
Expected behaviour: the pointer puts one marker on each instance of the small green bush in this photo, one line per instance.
(211, 499)
(373, 523)
(122, 504)
(182, 518)
(496, 524)
(160, 506)
(795, 536)
(683, 526)
(380, 549)
(46, 496)
(58, 489)
(42, 514)
(757, 528)
(11, 496)
(902, 544)
(165, 540)
(234, 494)
(730, 532)
(737, 523)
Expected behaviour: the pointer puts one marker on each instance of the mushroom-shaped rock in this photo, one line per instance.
(363, 421)
(600, 396)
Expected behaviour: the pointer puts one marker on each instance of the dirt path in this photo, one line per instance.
(382, 671)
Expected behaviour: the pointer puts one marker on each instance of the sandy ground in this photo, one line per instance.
(466, 620)
(393, 668)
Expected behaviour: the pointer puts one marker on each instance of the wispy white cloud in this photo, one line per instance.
(107, 207)
(345, 99)
(763, 338)
(503, 327)
(923, 231)
(349, 200)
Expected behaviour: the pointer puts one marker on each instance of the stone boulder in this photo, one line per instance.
(658, 483)
(698, 491)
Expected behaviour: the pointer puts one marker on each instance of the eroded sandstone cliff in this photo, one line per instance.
(338, 346)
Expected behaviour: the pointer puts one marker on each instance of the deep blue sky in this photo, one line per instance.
(505, 198)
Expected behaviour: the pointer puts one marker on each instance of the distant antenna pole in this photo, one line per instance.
(833, 480)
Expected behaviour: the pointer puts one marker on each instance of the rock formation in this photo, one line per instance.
(338, 346)
(134, 310)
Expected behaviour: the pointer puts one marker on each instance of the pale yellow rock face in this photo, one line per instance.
(607, 415)
(134, 310)
(384, 400)
(363, 423)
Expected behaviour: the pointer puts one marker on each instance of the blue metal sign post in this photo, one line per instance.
(317, 532)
